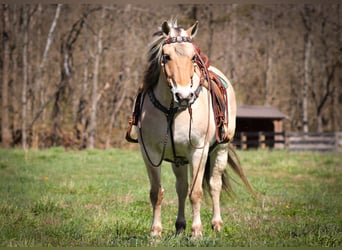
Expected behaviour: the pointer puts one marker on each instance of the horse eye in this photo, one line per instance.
(166, 58)
(193, 59)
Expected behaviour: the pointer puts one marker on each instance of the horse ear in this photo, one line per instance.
(166, 28)
(192, 31)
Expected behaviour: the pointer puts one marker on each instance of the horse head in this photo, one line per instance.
(178, 62)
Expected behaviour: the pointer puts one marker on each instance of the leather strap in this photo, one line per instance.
(133, 121)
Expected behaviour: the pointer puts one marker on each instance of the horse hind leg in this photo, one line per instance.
(181, 173)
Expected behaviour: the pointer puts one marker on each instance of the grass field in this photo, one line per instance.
(101, 198)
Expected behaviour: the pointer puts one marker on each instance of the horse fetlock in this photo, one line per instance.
(197, 231)
(216, 225)
(180, 226)
(156, 232)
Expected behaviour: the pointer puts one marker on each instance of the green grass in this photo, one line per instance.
(101, 198)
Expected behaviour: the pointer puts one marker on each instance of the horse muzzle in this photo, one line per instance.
(184, 96)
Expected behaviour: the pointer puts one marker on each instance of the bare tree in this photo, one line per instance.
(15, 77)
(25, 77)
(82, 118)
(233, 54)
(120, 86)
(99, 50)
(5, 129)
(117, 102)
(38, 88)
(269, 60)
(336, 106)
(306, 18)
(66, 51)
(322, 88)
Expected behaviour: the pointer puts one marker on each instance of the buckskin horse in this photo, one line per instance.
(184, 113)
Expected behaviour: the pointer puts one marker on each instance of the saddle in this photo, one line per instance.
(217, 87)
(218, 91)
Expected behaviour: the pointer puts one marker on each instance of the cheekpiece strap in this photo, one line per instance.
(178, 39)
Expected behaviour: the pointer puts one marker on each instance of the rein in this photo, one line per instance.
(170, 113)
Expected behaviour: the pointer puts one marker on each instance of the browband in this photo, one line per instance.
(178, 39)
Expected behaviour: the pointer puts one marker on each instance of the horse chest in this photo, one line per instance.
(157, 134)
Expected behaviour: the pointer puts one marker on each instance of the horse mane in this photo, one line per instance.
(152, 72)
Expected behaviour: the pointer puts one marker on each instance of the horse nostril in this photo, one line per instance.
(178, 97)
(184, 98)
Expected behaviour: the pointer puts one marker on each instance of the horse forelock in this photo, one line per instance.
(154, 55)
(154, 58)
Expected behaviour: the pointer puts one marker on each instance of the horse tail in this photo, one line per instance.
(235, 165)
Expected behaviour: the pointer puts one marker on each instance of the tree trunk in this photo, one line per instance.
(38, 88)
(5, 128)
(211, 34)
(307, 54)
(117, 103)
(307, 50)
(269, 62)
(25, 78)
(94, 98)
(14, 91)
(81, 122)
(233, 42)
(325, 85)
(335, 111)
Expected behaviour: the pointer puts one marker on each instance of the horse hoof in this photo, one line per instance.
(216, 225)
(196, 235)
(156, 232)
(197, 232)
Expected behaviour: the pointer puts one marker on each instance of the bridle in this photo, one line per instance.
(171, 111)
(180, 39)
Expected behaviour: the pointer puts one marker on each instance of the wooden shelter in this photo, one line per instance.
(259, 126)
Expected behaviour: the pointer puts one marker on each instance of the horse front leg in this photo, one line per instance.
(196, 191)
(218, 163)
(181, 173)
(156, 197)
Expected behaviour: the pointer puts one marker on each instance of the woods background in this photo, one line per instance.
(69, 73)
